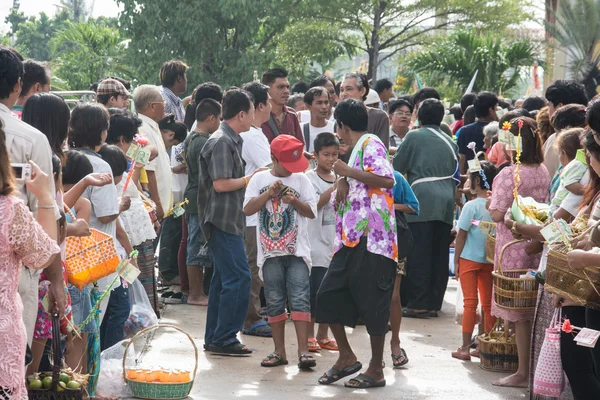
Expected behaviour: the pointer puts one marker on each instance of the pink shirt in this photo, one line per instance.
(497, 155)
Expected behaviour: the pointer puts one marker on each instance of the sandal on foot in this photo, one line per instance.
(313, 345)
(232, 350)
(260, 329)
(400, 360)
(475, 353)
(410, 313)
(306, 361)
(364, 382)
(334, 374)
(328, 344)
(273, 356)
(461, 355)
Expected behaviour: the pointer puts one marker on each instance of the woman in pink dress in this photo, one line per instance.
(23, 240)
(534, 183)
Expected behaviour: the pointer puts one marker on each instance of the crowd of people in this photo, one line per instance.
(329, 203)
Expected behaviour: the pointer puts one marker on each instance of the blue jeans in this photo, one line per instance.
(287, 278)
(117, 312)
(229, 289)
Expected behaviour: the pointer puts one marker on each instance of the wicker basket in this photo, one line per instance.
(511, 292)
(53, 393)
(158, 390)
(581, 286)
(490, 248)
(498, 356)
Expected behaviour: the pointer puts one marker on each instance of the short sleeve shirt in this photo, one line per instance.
(256, 153)
(471, 133)
(221, 158)
(573, 172)
(369, 209)
(192, 146)
(474, 249)
(321, 229)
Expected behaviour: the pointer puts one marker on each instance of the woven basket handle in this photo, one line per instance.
(151, 328)
(506, 246)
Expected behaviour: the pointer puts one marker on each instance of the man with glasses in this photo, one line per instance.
(112, 94)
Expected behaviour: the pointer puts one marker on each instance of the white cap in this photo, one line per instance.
(372, 98)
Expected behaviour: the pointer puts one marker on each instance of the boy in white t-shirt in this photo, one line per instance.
(285, 200)
(317, 102)
(322, 230)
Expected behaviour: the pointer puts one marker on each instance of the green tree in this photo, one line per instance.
(454, 60)
(33, 36)
(15, 18)
(77, 8)
(86, 52)
(576, 28)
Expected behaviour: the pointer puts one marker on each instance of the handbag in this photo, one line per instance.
(406, 242)
(549, 378)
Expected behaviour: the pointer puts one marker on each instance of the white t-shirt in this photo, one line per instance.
(256, 152)
(161, 165)
(281, 231)
(572, 202)
(304, 116)
(321, 230)
(180, 181)
(314, 131)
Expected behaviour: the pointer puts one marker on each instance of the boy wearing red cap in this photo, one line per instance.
(284, 199)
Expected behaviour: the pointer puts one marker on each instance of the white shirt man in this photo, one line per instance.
(317, 102)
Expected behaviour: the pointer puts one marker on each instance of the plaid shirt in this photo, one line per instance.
(173, 104)
(221, 158)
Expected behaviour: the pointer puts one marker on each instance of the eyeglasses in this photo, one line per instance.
(402, 114)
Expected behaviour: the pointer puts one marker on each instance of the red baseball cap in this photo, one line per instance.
(289, 151)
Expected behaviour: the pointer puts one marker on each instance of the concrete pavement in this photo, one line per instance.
(431, 373)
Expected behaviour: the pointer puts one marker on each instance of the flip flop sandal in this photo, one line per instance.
(475, 353)
(363, 382)
(334, 374)
(313, 345)
(166, 295)
(328, 344)
(308, 362)
(278, 361)
(231, 350)
(410, 313)
(260, 329)
(396, 359)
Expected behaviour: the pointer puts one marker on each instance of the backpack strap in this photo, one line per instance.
(306, 130)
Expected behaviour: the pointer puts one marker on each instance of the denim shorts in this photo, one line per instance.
(287, 278)
(198, 253)
(81, 304)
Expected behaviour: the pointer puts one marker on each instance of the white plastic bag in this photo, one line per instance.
(141, 315)
(110, 381)
(460, 306)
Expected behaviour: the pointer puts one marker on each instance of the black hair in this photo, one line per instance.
(11, 69)
(569, 141)
(93, 87)
(456, 112)
(236, 101)
(534, 103)
(271, 75)
(515, 113)
(424, 94)
(483, 102)
(104, 98)
(77, 167)
(168, 123)
(382, 84)
(50, 114)
(87, 123)
(309, 96)
(170, 71)
(206, 108)
(568, 116)
(56, 165)
(533, 150)
(325, 139)
(299, 87)
(593, 116)
(33, 72)
(469, 116)
(395, 104)
(259, 91)
(206, 90)
(490, 172)
(123, 124)
(361, 82)
(114, 157)
(593, 148)
(353, 114)
(321, 81)
(505, 104)
(337, 87)
(431, 112)
(566, 91)
(467, 100)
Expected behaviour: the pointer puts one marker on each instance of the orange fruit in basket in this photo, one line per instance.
(164, 376)
(151, 376)
(131, 374)
(184, 376)
(175, 376)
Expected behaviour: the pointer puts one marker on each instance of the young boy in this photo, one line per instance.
(285, 200)
(322, 230)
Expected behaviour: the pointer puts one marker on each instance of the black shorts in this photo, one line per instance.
(358, 284)
(316, 277)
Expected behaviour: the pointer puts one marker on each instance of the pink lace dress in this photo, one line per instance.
(534, 183)
(22, 241)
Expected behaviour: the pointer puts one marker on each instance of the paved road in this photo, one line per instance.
(430, 374)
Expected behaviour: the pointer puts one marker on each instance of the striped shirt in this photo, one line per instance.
(173, 104)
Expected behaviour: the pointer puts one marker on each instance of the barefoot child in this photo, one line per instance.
(322, 230)
(471, 266)
(285, 200)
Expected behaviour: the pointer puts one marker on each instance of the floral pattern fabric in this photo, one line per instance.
(369, 209)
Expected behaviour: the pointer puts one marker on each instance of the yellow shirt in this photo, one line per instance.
(143, 176)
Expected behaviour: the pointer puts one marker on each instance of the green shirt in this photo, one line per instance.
(192, 146)
(423, 154)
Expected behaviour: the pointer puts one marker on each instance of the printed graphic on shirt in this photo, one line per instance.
(278, 227)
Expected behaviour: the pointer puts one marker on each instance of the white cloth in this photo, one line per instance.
(161, 165)
(572, 202)
(314, 131)
(180, 181)
(281, 230)
(256, 152)
(136, 221)
(321, 230)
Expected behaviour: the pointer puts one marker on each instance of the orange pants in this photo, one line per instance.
(476, 277)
